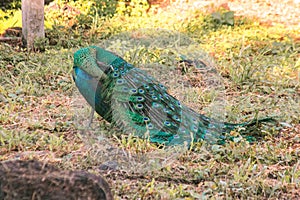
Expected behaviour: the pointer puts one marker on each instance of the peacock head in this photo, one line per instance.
(93, 60)
(85, 59)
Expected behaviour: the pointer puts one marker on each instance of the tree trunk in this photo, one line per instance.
(32, 23)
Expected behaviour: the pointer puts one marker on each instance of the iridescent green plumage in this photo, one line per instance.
(136, 103)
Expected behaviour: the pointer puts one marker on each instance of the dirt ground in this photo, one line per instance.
(268, 12)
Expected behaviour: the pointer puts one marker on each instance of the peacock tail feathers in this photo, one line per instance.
(135, 102)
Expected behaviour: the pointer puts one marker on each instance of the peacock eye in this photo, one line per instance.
(133, 91)
(150, 126)
(139, 106)
(146, 119)
(140, 98)
(151, 92)
(120, 81)
(154, 97)
(167, 123)
(175, 117)
(172, 107)
(155, 105)
(161, 86)
(141, 91)
(194, 128)
(115, 74)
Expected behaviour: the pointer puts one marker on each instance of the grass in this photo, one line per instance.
(43, 116)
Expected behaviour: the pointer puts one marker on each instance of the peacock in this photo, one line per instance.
(136, 103)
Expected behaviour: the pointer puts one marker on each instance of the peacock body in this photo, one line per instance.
(136, 103)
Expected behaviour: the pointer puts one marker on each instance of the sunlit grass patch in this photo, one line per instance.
(10, 21)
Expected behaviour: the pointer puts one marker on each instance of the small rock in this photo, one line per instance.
(109, 165)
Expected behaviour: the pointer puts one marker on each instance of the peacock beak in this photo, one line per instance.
(74, 74)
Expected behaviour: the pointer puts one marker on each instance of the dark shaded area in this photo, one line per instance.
(36, 180)
(10, 4)
(12, 32)
(15, 4)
